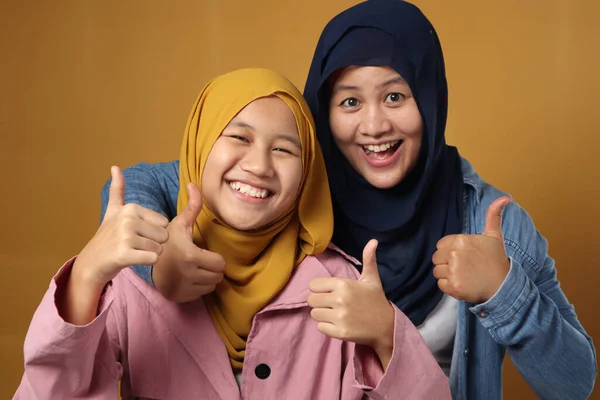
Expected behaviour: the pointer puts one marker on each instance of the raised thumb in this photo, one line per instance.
(370, 273)
(493, 218)
(116, 194)
(190, 213)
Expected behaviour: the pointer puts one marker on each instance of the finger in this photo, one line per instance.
(204, 277)
(138, 257)
(330, 330)
(151, 231)
(321, 300)
(190, 213)
(204, 259)
(324, 285)
(322, 315)
(370, 273)
(441, 256)
(116, 194)
(441, 271)
(493, 218)
(144, 244)
(444, 286)
(198, 290)
(446, 242)
(151, 216)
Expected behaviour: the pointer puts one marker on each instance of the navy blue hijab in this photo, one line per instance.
(410, 218)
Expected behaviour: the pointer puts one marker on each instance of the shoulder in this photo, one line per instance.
(146, 177)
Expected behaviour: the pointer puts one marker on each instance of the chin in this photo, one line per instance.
(383, 182)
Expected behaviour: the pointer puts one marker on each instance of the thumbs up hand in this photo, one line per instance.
(185, 271)
(129, 235)
(355, 310)
(472, 267)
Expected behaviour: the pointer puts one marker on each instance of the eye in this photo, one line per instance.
(286, 150)
(283, 150)
(394, 98)
(350, 102)
(240, 138)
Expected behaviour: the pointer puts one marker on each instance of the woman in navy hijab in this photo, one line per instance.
(462, 261)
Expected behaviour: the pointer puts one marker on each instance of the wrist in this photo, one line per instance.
(493, 289)
(86, 279)
(161, 281)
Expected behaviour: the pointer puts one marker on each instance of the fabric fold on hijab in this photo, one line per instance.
(410, 218)
(259, 262)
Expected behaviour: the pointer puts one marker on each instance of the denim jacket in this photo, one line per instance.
(529, 315)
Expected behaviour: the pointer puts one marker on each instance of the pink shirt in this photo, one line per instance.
(165, 350)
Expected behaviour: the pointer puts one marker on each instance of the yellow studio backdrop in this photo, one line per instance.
(88, 84)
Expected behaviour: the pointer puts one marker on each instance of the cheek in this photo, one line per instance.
(214, 168)
(291, 180)
(413, 123)
(341, 127)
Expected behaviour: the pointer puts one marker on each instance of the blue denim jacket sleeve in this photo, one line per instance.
(531, 315)
(154, 186)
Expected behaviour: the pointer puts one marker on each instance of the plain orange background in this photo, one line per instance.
(88, 84)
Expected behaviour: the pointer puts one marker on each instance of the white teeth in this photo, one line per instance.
(379, 148)
(249, 190)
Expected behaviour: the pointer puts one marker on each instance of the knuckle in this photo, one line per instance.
(460, 241)
(454, 253)
(129, 209)
(344, 332)
(127, 222)
(343, 314)
(127, 238)
(121, 255)
(187, 257)
(339, 301)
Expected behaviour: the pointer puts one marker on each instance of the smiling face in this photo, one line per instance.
(254, 170)
(376, 123)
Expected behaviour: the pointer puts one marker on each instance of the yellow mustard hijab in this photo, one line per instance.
(260, 262)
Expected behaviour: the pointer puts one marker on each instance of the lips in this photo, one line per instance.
(383, 154)
(247, 189)
(381, 147)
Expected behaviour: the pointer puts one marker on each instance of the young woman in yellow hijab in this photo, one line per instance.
(267, 203)
(250, 149)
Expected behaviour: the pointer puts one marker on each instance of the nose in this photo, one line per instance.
(258, 162)
(375, 121)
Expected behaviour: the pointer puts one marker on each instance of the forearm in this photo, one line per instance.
(78, 300)
(546, 344)
(385, 345)
(559, 364)
(411, 371)
(67, 361)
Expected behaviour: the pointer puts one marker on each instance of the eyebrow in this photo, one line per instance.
(291, 139)
(398, 80)
(241, 124)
